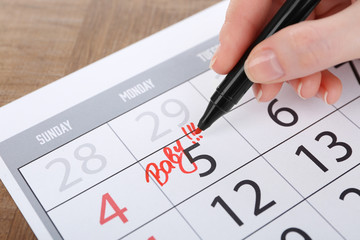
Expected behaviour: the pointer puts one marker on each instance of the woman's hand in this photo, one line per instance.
(298, 54)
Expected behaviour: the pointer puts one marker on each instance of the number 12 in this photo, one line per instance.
(257, 210)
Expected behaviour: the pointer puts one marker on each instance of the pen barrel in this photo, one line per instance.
(236, 83)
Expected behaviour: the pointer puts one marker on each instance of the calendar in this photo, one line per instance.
(111, 151)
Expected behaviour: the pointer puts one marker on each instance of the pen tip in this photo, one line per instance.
(198, 130)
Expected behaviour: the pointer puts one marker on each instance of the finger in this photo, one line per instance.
(305, 48)
(307, 87)
(239, 30)
(330, 88)
(266, 92)
(330, 7)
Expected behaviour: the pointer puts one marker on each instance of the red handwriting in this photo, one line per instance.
(174, 157)
(193, 131)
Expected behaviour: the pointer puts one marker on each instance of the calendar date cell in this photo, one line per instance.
(352, 111)
(176, 228)
(111, 209)
(339, 203)
(240, 203)
(349, 76)
(301, 222)
(273, 122)
(159, 121)
(318, 155)
(76, 166)
(220, 151)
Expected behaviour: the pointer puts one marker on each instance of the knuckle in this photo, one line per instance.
(309, 46)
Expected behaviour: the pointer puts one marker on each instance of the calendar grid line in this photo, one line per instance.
(40, 204)
(251, 99)
(60, 146)
(146, 223)
(191, 196)
(139, 161)
(195, 195)
(356, 73)
(105, 123)
(325, 219)
(74, 116)
(79, 161)
(216, 181)
(349, 119)
(307, 127)
(274, 219)
(341, 175)
(89, 188)
(179, 139)
(303, 200)
(329, 183)
(231, 171)
(114, 174)
(293, 187)
(345, 104)
(173, 205)
(261, 155)
(336, 109)
(306, 198)
(350, 101)
(153, 181)
(187, 81)
(246, 102)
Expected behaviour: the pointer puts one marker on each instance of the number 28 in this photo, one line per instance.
(92, 156)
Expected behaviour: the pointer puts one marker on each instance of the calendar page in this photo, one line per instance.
(118, 157)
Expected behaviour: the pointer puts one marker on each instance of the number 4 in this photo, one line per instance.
(118, 212)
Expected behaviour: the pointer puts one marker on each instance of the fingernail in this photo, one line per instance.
(323, 94)
(213, 59)
(257, 92)
(263, 67)
(259, 95)
(325, 97)
(299, 90)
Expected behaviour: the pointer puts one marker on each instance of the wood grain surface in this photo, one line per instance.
(44, 40)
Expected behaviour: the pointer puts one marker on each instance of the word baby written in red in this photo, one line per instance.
(174, 157)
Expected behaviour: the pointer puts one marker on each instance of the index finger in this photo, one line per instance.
(244, 20)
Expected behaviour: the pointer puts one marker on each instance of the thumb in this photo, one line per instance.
(306, 48)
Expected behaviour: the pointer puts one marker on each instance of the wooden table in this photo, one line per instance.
(44, 40)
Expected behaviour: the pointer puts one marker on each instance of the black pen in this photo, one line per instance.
(236, 83)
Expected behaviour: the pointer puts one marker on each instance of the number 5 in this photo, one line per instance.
(200, 157)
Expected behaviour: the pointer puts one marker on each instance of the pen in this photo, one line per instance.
(236, 83)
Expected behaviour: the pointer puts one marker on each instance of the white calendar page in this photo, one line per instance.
(118, 158)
